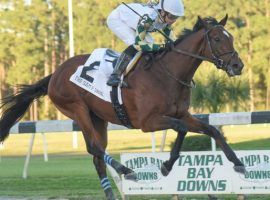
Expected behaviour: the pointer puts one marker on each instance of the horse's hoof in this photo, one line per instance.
(164, 170)
(132, 176)
(240, 169)
(109, 194)
(110, 197)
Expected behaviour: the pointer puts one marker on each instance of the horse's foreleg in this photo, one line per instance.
(189, 123)
(174, 155)
(158, 122)
(93, 142)
(195, 125)
(162, 123)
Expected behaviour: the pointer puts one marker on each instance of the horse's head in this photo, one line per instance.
(219, 47)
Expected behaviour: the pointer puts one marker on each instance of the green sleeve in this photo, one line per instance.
(168, 31)
(140, 42)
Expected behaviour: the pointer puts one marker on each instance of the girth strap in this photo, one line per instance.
(120, 109)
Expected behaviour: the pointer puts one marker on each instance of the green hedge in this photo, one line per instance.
(196, 143)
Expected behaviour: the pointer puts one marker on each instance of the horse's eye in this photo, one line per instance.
(217, 39)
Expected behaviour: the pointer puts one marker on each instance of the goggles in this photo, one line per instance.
(171, 16)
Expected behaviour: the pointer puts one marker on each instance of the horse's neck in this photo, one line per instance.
(182, 66)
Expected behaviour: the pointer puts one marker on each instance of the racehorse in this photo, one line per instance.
(158, 96)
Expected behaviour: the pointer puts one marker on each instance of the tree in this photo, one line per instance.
(35, 42)
(215, 92)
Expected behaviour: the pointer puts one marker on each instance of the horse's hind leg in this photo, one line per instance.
(94, 140)
(101, 126)
(104, 180)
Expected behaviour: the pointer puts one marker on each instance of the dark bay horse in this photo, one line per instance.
(158, 98)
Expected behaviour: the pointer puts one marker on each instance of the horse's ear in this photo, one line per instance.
(203, 22)
(224, 20)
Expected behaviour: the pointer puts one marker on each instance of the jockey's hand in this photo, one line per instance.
(169, 45)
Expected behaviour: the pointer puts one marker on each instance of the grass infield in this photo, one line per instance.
(70, 174)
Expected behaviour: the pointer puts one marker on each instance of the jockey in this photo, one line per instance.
(135, 30)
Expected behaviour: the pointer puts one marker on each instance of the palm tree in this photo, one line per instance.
(215, 92)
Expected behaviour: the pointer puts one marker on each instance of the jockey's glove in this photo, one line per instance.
(168, 46)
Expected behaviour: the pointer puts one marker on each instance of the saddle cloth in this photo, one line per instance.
(93, 75)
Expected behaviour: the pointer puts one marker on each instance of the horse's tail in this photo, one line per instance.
(14, 106)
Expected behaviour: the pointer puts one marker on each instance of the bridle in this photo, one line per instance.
(216, 59)
(220, 63)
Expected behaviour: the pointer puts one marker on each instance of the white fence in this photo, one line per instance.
(216, 119)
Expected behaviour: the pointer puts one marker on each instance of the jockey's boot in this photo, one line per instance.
(120, 67)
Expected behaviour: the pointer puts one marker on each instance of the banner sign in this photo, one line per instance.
(204, 172)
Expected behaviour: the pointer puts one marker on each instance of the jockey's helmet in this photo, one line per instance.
(175, 8)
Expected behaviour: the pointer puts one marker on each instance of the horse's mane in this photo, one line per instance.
(187, 32)
(198, 26)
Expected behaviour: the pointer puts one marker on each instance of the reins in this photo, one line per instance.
(165, 68)
(192, 55)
